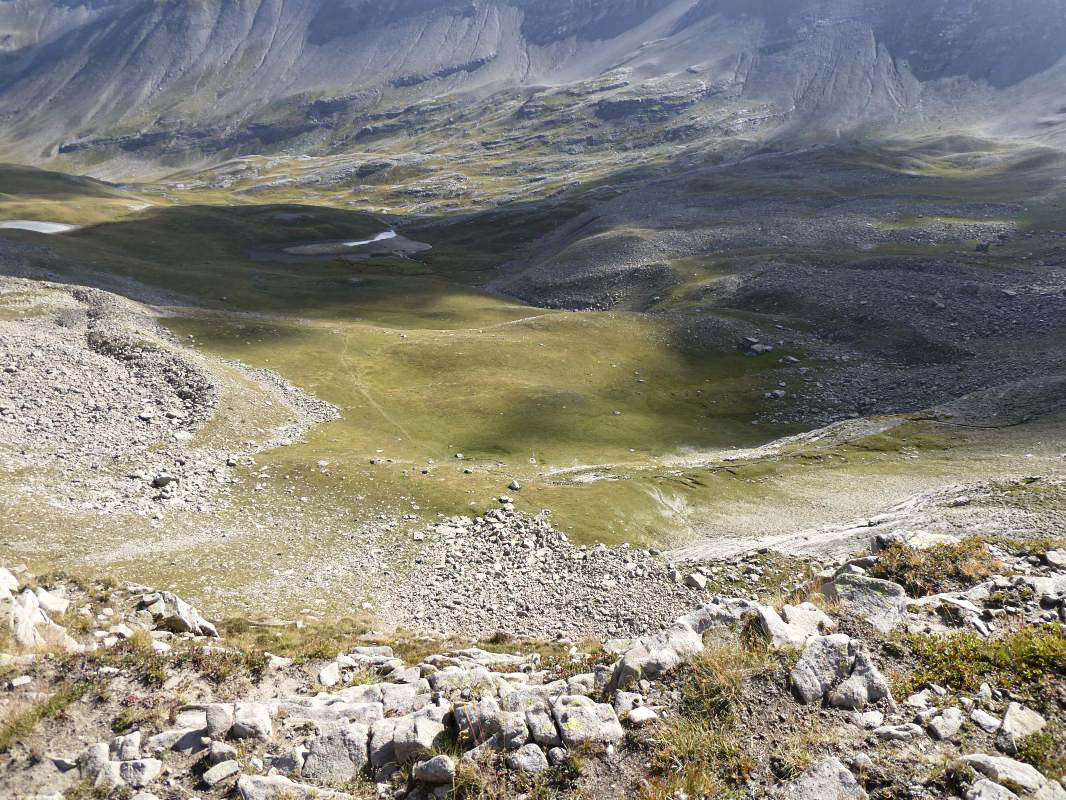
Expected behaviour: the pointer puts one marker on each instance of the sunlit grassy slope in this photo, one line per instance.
(424, 368)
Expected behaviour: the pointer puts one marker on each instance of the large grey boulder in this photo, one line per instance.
(657, 654)
(827, 780)
(437, 770)
(864, 685)
(541, 725)
(92, 759)
(780, 634)
(381, 747)
(581, 720)
(417, 737)
(126, 748)
(529, 759)
(1018, 723)
(881, 603)
(809, 618)
(987, 790)
(251, 721)
(839, 669)
(826, 661)
(278, 787)
(220, 772)
(479, 721)
(219, 719)
(171, 613)
(337, 755)
(1004, 770)
(136, 774)
(946, 724)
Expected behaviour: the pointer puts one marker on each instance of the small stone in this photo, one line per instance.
(330, 675)
(696, 580)
(947, 724)
(641, 716)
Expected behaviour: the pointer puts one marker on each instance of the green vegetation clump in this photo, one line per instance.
(698, 751)
(24, 722)
(1029, 662)
(1046, 750)
(316, 642)
(941, 568)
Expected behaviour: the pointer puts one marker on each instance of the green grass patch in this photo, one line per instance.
(1046, 750)
(23, 723)
(941, 568)
(698, 751)
(1030, 663)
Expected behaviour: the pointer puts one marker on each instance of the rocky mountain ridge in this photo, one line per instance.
(180, 82)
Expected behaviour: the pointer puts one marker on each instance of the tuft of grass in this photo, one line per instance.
(23, 723)
(1029, 662)
(941, 568)
(699, 751)
(316, 642)
(1046, 750)
(800, 751)
(224, 666)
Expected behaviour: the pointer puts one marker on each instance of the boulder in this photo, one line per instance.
(528, 759)
(136, 774)
(92, 759)
(220, 751)
(641, 716)
(581, 720)
(881, 603)
(51, 603)
(898, 733)
(864, 685)
(140, 772)
(437, 770)
(183, 740)
(777, 632)
(171, 613)
(8, 581)
(541, 725)
(126, 748)
(826, 660)
(219, 773)
(338, 755)
(809, 618)
(985, 721)
(417, 737)
(827, 780)
(277, 787)
(1018, 723)
(947, 724)
(219, 719)
(1056, 559)
(1005, 770)
(655, 655)
(987, 790)
(251, 721)
(457, 678)
(330, 675)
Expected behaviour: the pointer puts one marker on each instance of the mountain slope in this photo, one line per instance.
(181, 80)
